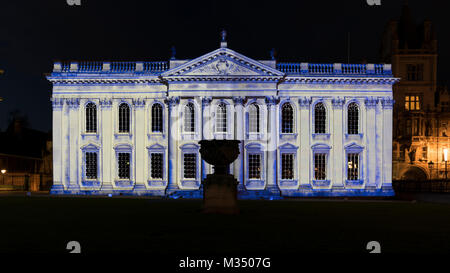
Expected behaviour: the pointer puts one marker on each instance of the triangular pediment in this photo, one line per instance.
(223, 62)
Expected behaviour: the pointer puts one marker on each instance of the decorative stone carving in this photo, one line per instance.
(387, 102)
(105, 102)
(57, 102)
(73, 102)
(172, 101)
(138, 102)
(304, 101)
(272, 100)
(370, 102)
(206, 101)
(338, 102)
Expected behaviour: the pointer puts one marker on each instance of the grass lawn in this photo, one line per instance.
(46, 224)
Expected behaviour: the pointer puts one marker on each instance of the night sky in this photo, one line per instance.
(35, 33)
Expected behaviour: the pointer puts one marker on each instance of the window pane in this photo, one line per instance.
(190, 165)
(287, 166)
(156, 165)
(254, 166)
(320, 166)
(353, 118)
(124, 118)
(319, 119)
(221, 118)
(157, 119)
(124, 165)
(91, 118)
(91, 165)
(254, 118)
(189, 117)
(287, 118)
(353, 166)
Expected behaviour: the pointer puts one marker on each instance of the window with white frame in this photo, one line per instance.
(254, 166)
(353, 118)
(91, 118)
(156, 165)
(287, 118)
(320, 118)
(221, 118)
(124, 118)
(190, 165)
(254, 120)
(189, 117)
(124, 168)
(157, 118)
(287, 166)
(320, 165)
(91, 165)
(353, 166)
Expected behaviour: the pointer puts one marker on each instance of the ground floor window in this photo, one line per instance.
(124, 165)
(156, 165)
(190, 165)
(320, 166)
(352, 166)
(254, 166)
(91, 165)
(287, 166)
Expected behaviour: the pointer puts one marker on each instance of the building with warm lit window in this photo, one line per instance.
(306, 129)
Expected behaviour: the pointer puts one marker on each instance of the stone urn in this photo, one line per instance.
(220, 188)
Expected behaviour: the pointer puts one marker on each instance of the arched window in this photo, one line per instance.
(221, 120)
(353, 118)
(320, 118)
(91, 118)
(189, 117)
(253, 122)
(157, 118)
(287, 118)
(124, 118)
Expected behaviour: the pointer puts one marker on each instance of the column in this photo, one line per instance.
(305, 157)
(379, 143)
(206, 102)
(338, 165)
(74, 131)
(58, 149)
(139, 143)
(388, 104)
(370, 135)
(272, 132)
(239, 135)
(106, 153)
(172, 106)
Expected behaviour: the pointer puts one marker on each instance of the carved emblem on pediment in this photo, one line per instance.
(223, 66)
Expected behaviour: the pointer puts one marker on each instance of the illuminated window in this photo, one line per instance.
(190, 165)
(124, 118)
(221, 120)
(352, 166)
(254, 166)
(157, 118)
(415, 72)
(320, 166)
(124, 165)
(189, 117)
(156, 165)
(412, 102)
(320, 117)
(287, 118)
(91, 118)
(353, 118)
(253, 118)
(287, 166)
(91, 165)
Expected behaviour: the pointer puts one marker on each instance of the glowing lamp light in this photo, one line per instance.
(3, 171)
(445, 154)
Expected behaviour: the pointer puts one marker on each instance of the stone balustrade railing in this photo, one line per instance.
(110, 67)
(334, 69)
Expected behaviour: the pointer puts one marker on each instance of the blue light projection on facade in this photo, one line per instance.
(306, 129)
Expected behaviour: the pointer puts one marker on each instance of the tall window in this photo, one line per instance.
(415, 72)
(254, 166)
(221, 120)
(320, 166)
(157, 118)
(287, 166)
(189, 117)
(124, 165)
(253, 118)
(156, 165)
(124, 118)
(412, 102)
(352, 166)
(91, 165)
(320, 117)
(190, 165)
(91, 118)
(353, 118)
(287, 118)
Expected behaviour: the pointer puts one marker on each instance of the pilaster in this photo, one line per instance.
(74, 133)
(239, 135)
(106, 153)
(370, 104)
(305, 157)
(139, 143)
(58, 149)
(172, 170)
(271, 184)
(338, 165)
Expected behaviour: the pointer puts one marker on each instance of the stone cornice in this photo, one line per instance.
(341, 80)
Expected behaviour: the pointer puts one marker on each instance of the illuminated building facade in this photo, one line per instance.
(306, 129)
(422, 110)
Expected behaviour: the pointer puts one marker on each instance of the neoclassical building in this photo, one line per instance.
(306, 129)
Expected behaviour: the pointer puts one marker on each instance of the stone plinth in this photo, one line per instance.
(220, 194)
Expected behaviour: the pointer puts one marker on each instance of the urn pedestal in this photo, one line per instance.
(220, 188)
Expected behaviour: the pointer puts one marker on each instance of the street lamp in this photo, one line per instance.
(445, 159)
